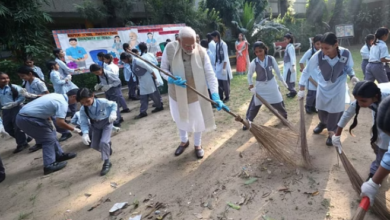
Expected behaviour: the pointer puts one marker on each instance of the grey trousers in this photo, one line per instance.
(144, 99)
(376, 71)
(253, 110)
(114, 94)
(311, 98)
(224, 89)
(72, 109)
(101, 137)
(43, 133)
(59, 129)
(329, 119)
(377, 162)
(364, 66)
(291, 85)
(9, 123)
(132, 88)
(122, 100)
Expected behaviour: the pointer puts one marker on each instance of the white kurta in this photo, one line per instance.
(304, 60)
(290, 65)
(195, 121)
(269, 89)
(219, 65)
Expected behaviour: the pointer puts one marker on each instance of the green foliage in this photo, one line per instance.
(259, 6)
(248, 16)
(228, 9)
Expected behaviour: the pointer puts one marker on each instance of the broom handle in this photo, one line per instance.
(188, 86)
(363, 207)
(313, 81)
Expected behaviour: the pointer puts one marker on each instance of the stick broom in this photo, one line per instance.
(304, 146)
(362, 209)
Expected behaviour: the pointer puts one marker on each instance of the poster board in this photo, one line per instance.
(81, 46)
(345, 31)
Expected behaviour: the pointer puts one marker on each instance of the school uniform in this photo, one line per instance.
(151, 58)
(266, 86)
(289, 68)
(221, 57)
(383, 141)
(64, 71)
(365, 52)
(311, 88)
(37, 87)
(114, 93)
(94, 119)
(8, 119)
(147, 85)
(331, 90)
(115, 69)
(375, 69)
(38, 70)
(35, 119)
(131, 80)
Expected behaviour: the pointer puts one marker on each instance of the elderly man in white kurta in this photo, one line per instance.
(189, 63)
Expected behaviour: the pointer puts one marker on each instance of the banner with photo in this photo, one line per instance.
(81, 46)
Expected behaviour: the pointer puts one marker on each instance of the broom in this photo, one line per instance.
(273, 140)
(379, 206)
(304, 146)
(362, 209)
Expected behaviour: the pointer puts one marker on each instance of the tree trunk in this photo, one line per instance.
(283, 7)
(111, 20)
(338, 14)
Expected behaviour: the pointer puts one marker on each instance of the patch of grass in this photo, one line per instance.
(23, 216)
(325, 203)
(33, 198)
(39, 186)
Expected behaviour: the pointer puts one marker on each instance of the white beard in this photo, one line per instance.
(188, 53)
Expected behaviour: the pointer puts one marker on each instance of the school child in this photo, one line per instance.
(65, 72)
(147, 85)
(76, 120)
(10, 103)
(334, 64)
(365, 51)
(222, 67)
(266, 85)
(379, 55)
(371, 187)
(36, 119)
(205, 44)
(310, 106)
(97, 116)
(110, 66)
(367, 95)
(131, 80)
(289, 59)
(110, 84)
(29, 61)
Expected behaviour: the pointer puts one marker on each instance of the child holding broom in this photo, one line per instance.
(266, 85)
(310, 106)
(371, 187)
(367, 95)
(334, 64)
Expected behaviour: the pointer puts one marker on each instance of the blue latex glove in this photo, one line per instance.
(179, 81)
(220, 104)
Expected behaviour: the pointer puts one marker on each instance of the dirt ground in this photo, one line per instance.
(145, 170)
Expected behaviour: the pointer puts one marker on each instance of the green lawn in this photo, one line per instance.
(240, 96)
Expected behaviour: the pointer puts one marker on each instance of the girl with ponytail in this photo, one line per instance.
(379, 54)
(33, 86)
(289, 70)
(367, 95)
(365, 51)
(334, 64)
(311, 88)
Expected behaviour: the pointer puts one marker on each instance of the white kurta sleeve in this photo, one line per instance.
(211, 79)
(276, 68)
(165, 66)
(305, 58)
(347, 115)
(64, 67)
(251, 71)
(291, 52)
(225, 53)
(311, 66)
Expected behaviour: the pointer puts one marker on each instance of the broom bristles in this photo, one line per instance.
(277, 142)
(379, 206)
(304, 146)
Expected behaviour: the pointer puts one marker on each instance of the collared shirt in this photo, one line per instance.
(365, 52)
(76, 119)
(378, 51)
(127, 73)
(112, 67)
(39, 72)
(76, 52)
(47, 106)
(36, 87)
(112, 78)
(60, 85)
(99, 110)
(64, 69)
(264, 63)
(6, 97)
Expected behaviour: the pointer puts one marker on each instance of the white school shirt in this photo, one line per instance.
(365, 52)
(39, 72)
(330, 96)
(305, 59)
(151, 58)
(36, 87)
(64, 69)
(112, 67)
(378, 51)
(290, 49)
(219, 64)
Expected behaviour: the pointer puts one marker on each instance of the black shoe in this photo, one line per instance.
(2, 176)
(157, 109)
(181, 149)
(106, 168)
(20, 148)
(142, 115)
(369, 177)
(291, 95)
(110, 148)
(244, 128)
(314, 110)
(308, 110)
(126, 111)
(320, 127)
(226, 100)
(65, 156)
(117, 124)
(56, 166)
(199, 153)
(329, 142)
(65, 137)
(35, 148)
(29, 139)
(121, 120)
(134, 98)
